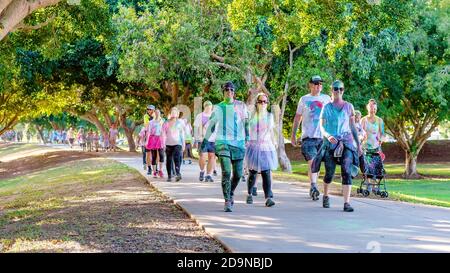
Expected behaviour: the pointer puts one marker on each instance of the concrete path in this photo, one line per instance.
(298, 224)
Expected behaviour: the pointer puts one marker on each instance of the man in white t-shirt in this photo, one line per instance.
(208, 151)
(308, 114)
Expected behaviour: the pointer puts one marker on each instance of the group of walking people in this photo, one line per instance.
(164, 140)
(334, 133)
(331, 132)
(90, 140)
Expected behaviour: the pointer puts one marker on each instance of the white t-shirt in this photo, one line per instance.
(310, 107)
(201, 125)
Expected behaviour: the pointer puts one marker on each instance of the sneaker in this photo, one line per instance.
(149, 172)
(169, 179)
(228, 207)
(190, 161)
(209, 179)
(161, 174)
(184, 162)
(314, 193)
(243, 179)
(232, 201)
(178, 178)
(249, 199)
(202, 176)
(255, 191)
(145, 167)
(155, 175)
(270, 202)
(347, 207)
(215, 173)
(326, 202)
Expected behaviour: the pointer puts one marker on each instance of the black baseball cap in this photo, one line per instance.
(315, 78)
(228, 85)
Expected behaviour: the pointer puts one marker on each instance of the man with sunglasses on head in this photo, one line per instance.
(308, 114)
(229, 122)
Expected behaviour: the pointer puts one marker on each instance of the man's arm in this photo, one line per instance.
(297, 120)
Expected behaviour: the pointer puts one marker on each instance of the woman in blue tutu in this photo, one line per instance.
(261, 153)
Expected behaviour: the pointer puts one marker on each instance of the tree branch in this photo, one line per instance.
(22, 26)
(227, 66)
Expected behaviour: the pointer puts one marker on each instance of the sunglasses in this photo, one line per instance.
(229, 89)
(338, 89)
(262, 102)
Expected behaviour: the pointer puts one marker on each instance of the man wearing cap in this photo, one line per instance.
(200, 126)
(308, 113)
(341, 145)
(149, 115)
(229, 121)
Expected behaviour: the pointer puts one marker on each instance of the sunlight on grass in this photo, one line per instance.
(432, 191)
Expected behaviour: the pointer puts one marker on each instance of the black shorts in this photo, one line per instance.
(310, 147)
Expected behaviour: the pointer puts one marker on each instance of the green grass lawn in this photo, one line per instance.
(430, 169)
(432, 190)
(28, 202)
(41, 185)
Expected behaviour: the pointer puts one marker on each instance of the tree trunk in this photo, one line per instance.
(41, 133)
(122, 119)
(411, 166)
(284, 161)
(93, 118)
(13, 12)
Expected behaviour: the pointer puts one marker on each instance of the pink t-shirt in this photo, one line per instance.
(113, 133)
(174, 134)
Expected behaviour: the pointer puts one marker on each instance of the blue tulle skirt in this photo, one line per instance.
(259, 159)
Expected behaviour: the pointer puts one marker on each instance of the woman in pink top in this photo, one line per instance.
(173, 136)
(155, 143)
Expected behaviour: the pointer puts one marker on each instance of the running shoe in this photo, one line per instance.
(155, 174)
(178, 178)
(314, 193)
(255, 191)
(228, 207)
(202, 176)
(169, 179)
(209, 179)
(326, 202)
(160, 174)
(270, 202)
(215, 173)
(249, 199)
(347, 207)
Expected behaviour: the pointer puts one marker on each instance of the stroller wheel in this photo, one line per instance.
(366, 193)
(358, 191)
(384, 194)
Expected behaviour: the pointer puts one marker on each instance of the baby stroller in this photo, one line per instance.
(373, 175)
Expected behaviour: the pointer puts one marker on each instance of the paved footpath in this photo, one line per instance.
(298, 224)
